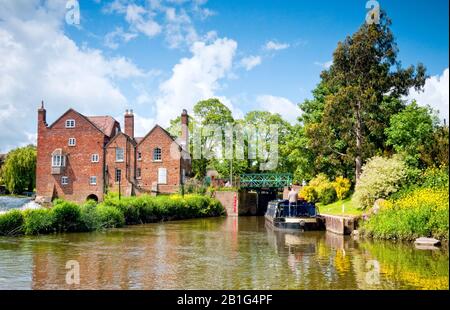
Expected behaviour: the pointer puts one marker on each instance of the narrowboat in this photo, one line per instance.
(301, 216)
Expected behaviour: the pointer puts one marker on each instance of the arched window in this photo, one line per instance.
(157, 154)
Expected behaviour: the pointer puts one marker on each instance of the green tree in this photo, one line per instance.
(411, 131)
(19, 170)
(365, 80)
(212, 112)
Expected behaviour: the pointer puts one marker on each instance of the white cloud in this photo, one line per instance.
(324, 65)
(275, 46)
(435, 94)
(250, 62)
(37, 61)
(112, 38)
(283, 106)
(195, 78)
(174, 19)
(141, 20)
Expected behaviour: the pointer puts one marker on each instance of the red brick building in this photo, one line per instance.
(83, 157)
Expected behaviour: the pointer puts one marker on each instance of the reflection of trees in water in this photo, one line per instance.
(226, 253)
(410, 267)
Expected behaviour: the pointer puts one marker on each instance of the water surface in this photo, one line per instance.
(217, 253)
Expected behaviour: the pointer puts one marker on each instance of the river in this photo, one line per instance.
(217, 253)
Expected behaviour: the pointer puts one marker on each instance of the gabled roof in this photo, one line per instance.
(150, 132)
(88, 119)
(119, 134)
(139, 140)
(104, 123)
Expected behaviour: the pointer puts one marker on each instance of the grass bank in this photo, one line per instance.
(337, 207)
(421, 213)
(113, 212)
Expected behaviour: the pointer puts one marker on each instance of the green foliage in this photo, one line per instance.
(89, 218)
(19, 170)
(342, 187)
(325, 190)
(11, 223)
(66, 216)
(38, 221)
(422, 212)
(113, 212)
(110, 216)
(327, 194)
(435, 177)
(380, 178)
(411, 130)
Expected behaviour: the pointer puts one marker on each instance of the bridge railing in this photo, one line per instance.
(265, 180)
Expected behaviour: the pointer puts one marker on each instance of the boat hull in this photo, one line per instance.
(293, 223)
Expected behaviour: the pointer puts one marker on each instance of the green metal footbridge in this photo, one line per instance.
(255, 181)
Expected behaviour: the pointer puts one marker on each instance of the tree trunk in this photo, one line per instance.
(358, 132)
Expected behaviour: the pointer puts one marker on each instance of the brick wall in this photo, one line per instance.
(127, 166)
(79, 168)
(158, 138)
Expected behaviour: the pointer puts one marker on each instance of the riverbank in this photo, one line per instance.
(113, 212)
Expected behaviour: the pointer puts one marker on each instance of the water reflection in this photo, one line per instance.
(220, 253)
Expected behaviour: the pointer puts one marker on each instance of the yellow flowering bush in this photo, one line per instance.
(342, 187)
(423, 212)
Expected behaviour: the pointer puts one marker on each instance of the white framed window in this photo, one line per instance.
(64, 180)
(118, 175)
(162, 176)
(95, 158)
(58, 160)
(139, 155)
(157, 154)
(70, 123)
(138, 173)
(119, 154)
(72, 141)
(93, 180)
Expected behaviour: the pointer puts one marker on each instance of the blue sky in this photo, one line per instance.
(158, 57)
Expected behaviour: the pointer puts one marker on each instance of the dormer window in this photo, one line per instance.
(157, 154)
(72, 141)
(70, 123)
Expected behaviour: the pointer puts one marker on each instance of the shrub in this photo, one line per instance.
(109, 216)
(380, 178)
(38, 221)
(113, 212)
(435, 177)
(325, 190)
(309, 193)
(342, 187)
(327, 194)
(89, 217)
(66, 216)
(11, 223)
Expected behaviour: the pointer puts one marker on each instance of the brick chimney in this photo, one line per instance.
(42, 116)
(129, 123)
(185, 130)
